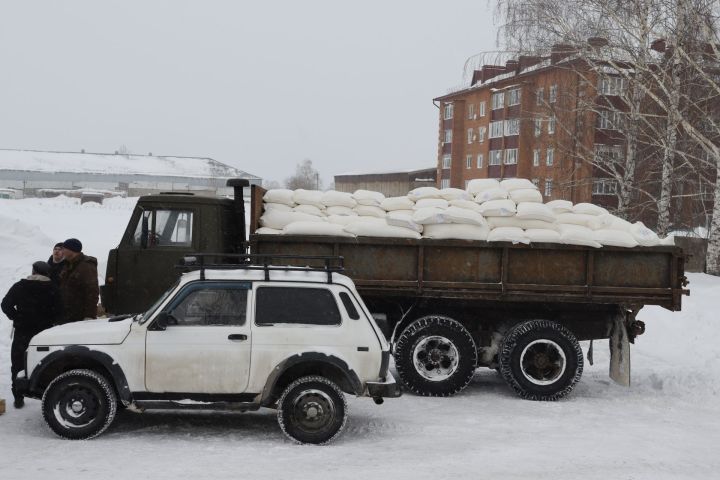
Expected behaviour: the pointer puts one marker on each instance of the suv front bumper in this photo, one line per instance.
(387, 389)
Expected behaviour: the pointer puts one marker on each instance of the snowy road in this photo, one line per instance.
(667, 425)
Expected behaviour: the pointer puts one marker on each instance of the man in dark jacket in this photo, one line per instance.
(78, 283)
(56, 262)
(33, 304)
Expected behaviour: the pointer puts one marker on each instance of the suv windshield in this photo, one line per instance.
(160, 300)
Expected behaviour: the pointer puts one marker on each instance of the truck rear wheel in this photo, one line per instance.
(435, 356)
(541, 360)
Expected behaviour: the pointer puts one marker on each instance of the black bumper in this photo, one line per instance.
(388, 389)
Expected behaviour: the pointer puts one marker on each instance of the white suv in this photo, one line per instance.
(288, 338)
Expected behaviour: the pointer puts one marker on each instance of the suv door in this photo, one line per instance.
(206, 345)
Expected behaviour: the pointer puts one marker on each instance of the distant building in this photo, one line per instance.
(391, 184)
(40, 173)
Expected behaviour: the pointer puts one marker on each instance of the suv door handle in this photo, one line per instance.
(237, 336)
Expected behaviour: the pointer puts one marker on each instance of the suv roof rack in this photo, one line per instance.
(242, 261)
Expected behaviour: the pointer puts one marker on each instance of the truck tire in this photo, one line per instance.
(79, 404)
(541, 360)
(435, 356)
(312, 410)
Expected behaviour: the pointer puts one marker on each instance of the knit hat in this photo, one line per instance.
(73, 244)
(41, 268)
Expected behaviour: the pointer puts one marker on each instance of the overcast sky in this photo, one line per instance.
(258, 85)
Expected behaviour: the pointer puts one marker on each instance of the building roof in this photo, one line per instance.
(122, 164)
(387, 172)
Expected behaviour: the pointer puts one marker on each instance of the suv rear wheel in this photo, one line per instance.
(312, 410)
(79, 404)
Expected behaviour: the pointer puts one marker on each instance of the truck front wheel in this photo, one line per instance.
(541, 360)
(435, 356)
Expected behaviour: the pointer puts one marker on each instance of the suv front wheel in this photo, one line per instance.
(312, 410)
(79, 404)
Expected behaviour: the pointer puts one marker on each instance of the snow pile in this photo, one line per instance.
(511, 210)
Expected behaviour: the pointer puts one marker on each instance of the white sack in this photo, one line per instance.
(429, 216)
(588, 209)
(367, 197)
(397, 203)
(369, 211)
(431, 202)
(578, 235)
(522, 195)
(315, 228)
(343, 219)
(279, 195)
(535, 211)
(643, 235)
(517, 184)
(278, 220)
(542, 235)
(609, 221)
(468, 204)
(376, 229)
(268, 231)
(560, 206)
(277, 206)
(310, 210)
(498, 208)
(481, 184)
(308, 197)
(513, 221)
(406, 212)
(574, 219)
(338, 210)
(403, 220)
(491, 194)
(332, 198)
(670, 241)
(456, 231)
(615, 238)
(463, 216)
(424, 192)
(508, 234)
(454, 194)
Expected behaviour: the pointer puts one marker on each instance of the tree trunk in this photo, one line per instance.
(713, 251)
(663, 225)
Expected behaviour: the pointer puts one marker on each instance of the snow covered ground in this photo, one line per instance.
(667, 425)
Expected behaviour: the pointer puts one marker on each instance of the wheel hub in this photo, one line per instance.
(313, 410)
(77, 406)
(543, 362)
(436, 358)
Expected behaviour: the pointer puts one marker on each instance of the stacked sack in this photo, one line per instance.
(497, 211)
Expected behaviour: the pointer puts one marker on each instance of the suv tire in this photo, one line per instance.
(79, 404)
(541, 360)
(312, 410)
(435, 356)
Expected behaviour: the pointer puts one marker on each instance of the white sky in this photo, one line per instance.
(258, 85)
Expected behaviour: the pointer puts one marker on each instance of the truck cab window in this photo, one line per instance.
(164, 228)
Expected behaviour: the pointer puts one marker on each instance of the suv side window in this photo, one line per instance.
(304, 306)
(211, 305)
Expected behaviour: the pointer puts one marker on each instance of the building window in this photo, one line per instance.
(604, 186)
(536, 157)
(548, 188)
(482, 109)
(514, 96)
(471, 111)
(470, 135)
(448, 136)
(480, 160)
(468, 161)
(481, 134)
(536, 182)
(445, 183)
(550, 157)
(540, 96)
(496, 129)
(538, 126)
(495, 157)
(552, 97)
(608, 154)
(512, 127)
(611, 85)
(551, 125)
(609, 119)
(448, 111)
(446, 161)
(511, 155)
(498, 100)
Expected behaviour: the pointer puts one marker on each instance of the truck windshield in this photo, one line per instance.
(159, 302)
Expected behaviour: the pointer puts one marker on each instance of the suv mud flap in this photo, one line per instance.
(619, 352)
(387, 389)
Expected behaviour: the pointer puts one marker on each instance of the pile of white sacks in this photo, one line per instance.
(507, 211)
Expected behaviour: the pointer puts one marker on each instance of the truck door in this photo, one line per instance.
(205, 347)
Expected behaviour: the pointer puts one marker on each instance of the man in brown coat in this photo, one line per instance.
(78, 283)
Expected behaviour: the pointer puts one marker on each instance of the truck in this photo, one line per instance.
(447, 307)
